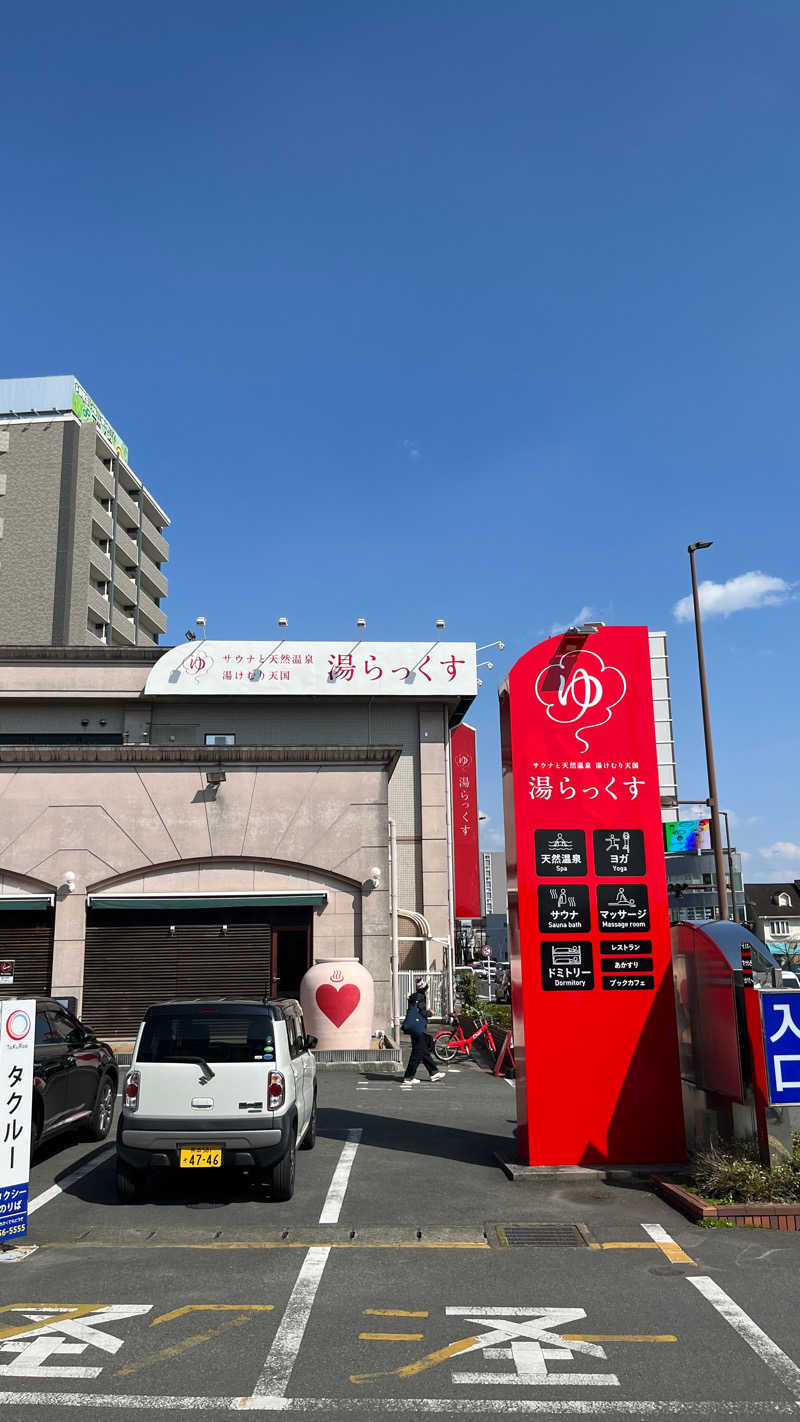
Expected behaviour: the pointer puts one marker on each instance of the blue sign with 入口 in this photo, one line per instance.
(13, 1210)
(780, 1015)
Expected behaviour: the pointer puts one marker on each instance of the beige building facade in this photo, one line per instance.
(182, 824)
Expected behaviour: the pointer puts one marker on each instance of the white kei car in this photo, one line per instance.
(228, 1082)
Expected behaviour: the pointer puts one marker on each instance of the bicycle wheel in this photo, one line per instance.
(443, 1048)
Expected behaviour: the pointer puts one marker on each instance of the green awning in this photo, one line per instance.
(27, 901)
(203, 901)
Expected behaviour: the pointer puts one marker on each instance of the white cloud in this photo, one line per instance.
(412, 450)
(783, 859)
(492, 836)
(742, 821)
(749, 590)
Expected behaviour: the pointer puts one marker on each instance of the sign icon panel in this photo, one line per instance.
(563, 908)
(566, 965)
(560, 852)
(618, 852)
(623, 908)
(628, 982)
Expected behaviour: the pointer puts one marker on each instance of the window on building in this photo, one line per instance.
(784, 901)
(779, 928)
(707, 879)
(220, 738)
(698, 915)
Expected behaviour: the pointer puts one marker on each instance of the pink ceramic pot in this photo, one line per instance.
(337, 997)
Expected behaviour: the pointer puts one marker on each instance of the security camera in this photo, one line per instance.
(283, 622)
(440, 624)
(361, 622)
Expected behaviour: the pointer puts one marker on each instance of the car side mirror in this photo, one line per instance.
(87, 1033)
(311, 1043)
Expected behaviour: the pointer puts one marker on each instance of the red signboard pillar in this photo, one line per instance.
(466, 869)
(595, 1039)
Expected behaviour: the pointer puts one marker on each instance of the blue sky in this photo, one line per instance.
(471, 310)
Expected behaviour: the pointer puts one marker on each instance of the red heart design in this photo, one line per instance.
(338, 1003)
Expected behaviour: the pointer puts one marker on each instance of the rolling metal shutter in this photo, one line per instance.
(133, 961)
(28, 939)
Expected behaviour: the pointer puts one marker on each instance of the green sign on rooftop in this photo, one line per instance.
(84, 407)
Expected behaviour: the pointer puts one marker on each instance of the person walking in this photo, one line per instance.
(416, 1025)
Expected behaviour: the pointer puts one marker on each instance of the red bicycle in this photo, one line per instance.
(451, 1040)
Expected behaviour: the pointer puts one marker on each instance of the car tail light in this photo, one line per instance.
(276, 1091)
(130, 1095)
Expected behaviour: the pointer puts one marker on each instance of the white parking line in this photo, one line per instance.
(287, 1342)
(64, 1184)
(755, 1337)
(504, 1407)
(341, 1175)
(282, 1356)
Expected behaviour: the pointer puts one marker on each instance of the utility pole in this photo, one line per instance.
(713, 800)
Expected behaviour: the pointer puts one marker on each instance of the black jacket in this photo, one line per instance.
(420, 1001)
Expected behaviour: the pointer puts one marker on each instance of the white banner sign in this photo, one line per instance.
(17, 1035)
(417, 669)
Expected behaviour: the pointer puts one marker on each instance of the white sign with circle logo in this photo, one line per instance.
(17, 1035)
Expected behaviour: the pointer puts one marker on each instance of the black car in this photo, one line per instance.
(74, 1076)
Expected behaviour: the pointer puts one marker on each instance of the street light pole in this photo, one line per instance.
(716, 828)
(724, 814)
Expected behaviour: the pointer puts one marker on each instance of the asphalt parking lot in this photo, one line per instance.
(393, 1281)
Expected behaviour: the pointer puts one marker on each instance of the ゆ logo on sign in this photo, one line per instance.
(577, 686)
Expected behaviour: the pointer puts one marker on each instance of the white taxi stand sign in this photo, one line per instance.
(17, 1034)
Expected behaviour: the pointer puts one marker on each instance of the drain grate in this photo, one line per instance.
(540, 1236)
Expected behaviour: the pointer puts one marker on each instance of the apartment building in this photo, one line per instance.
(82, 547)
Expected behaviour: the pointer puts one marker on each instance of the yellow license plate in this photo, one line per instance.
(192, 1159)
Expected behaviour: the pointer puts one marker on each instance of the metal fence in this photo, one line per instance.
(437, 992)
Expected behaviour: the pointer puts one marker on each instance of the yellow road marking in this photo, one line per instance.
(631, 1244)
(396, 1312)
(272, 1244)
(673, 1252)
(59, 1313)
(619, 1337)
(211, 1308)
(177, 1348)
(391, 1337)
(676, 1255)
(422, 1364)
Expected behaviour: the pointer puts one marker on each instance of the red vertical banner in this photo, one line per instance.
(595, 1038)
(466, 867)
